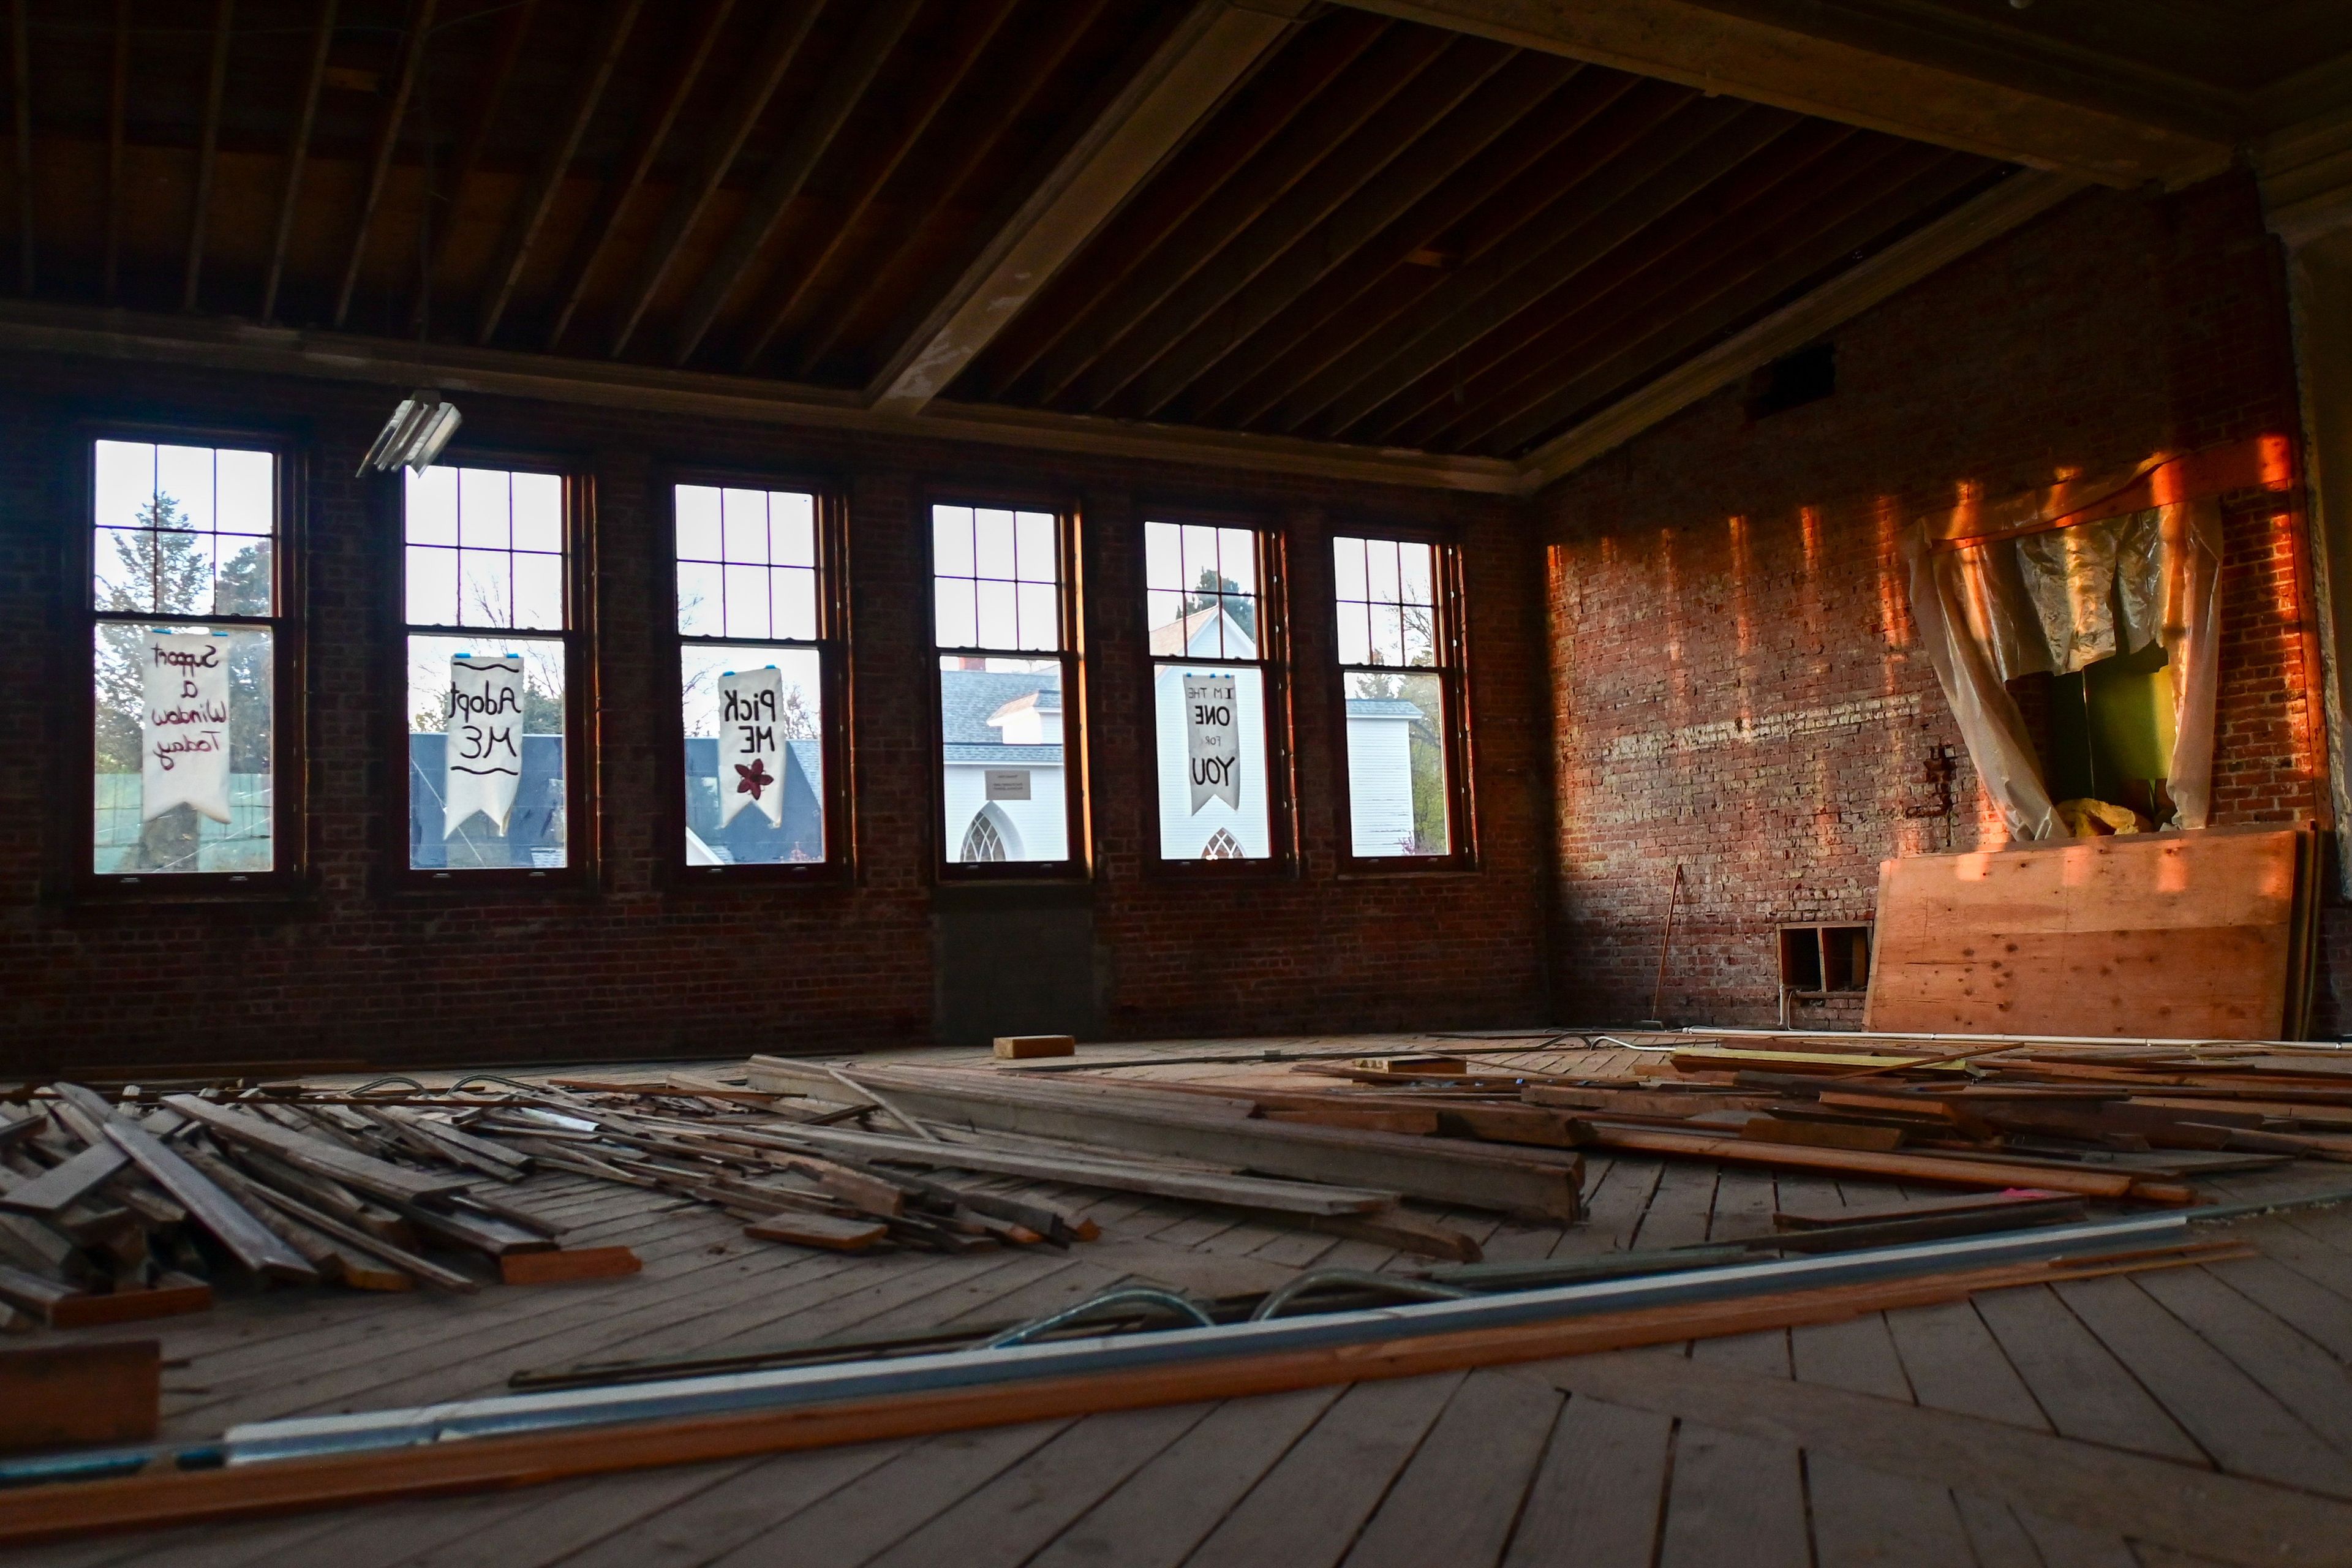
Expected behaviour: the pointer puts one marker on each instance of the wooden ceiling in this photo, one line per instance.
(1459, 228)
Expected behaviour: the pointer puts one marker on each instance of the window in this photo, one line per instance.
(1206, 609)
(1003, 629)
(757, 625)
(188, 633)
(491, 669)
(1401, 682)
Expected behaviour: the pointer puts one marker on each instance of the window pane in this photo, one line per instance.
(791, 528)
(1355, 633)
(431, 501)
(992, 553)
(184, 572)
(958, 623)
(183, 478)
(1347, 567)
(183, 748)
(432, 585)
(1212, 751)
(538, 591)
(999, 620)
(248, 491)
(1396, 765)
(1005, 595)
(1041, 626)
(539, 512)
(126, 484)
(698, 522)
(486, 753)
(242, 582)
(755, 758)
(745, 515)
(1420, 634)
(125, 562)
(1001, 725)
(1164, 609)
(794, 589)
(1237, 558)
(1163, 563)
(1413, 574)
(701, 599)
(951, 528)
(1388, 636)
(485, 509)
(1381, 570)
(1037, 557)
(485, 588)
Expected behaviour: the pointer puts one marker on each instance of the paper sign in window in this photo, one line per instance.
(183, 737)
(485, 740)
(751, 744)
(1212, 739)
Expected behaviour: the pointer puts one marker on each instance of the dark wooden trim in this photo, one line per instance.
(1076, 780)
(583, 750)
(118, 103)
(387, 138)
(296, 152)
(1453, 671)
(778, 48)
(497, 75)
(832, 648)
(21, 61)
(1274, 665)
(208, 149)
(289, 627)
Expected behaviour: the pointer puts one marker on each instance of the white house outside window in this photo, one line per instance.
(1398, 678)
(1205, 607)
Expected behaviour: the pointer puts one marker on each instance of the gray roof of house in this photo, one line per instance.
(967, 697)
(995, 756)
(1383, 708)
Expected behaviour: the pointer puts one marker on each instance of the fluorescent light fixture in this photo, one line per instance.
(414, 434)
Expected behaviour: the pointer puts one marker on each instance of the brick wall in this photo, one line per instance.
(1737, 684)
(355, 971)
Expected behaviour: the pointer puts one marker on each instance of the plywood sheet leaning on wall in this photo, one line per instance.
(2166, 936)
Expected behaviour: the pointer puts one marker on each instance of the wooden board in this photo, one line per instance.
(58, 1396)
(2190, 936)
(563, 1268)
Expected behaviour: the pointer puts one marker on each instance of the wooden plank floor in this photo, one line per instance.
(2040, 1425)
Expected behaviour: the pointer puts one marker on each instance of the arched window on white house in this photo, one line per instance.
(1223, 845)
(990, 840)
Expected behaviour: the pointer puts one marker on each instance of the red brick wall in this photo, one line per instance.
(354, 971)
(1738, 683)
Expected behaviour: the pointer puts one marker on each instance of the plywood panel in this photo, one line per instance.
(2177, 936)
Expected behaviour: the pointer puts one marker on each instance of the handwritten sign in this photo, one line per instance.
(1212, 739)
(751, 744)
(484, 739)
(184, 736)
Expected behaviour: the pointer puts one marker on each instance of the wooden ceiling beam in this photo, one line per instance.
(1443, 156)
(1389, 71)
(20, 94)
(117, 110)
(1993, 95)
(637, 164)
(847, 80)
(1722, 227)
(787, 31)
(932, 101)
(1419, 229)
(1363, 164)
(1888, 185)
(490, 90)
(1692, 151)
(1256, 116)
(387, 138)
(2012, 202)
(1213, 48)
(1528, 196)
(538, 196)
(298, 153)
(208, 149)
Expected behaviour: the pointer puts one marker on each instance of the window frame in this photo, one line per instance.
(1451, 644)
(1274, 665)
(289, 627)
(832, 647)
(1076, 775)
(583, 830)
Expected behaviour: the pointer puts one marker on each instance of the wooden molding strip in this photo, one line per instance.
(213, 344)
(2015, 201)
(164, 1497)
(1212, 49)
(2005, 110)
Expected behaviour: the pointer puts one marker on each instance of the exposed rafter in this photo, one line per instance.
(117, 110)
(653, 130)
(530, 211)
(1215, 48)
(1980, 90)
(769, 61)
(298, 153)
(497, 74)
(813, 135)
(20, 94)
(208, 149)
(387, 138)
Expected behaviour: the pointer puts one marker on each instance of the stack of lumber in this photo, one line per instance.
(2184, 936)
(2135, 1124)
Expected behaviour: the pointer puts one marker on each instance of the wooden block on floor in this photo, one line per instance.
(173, 1295)
(563, 1266)
(61, 1396)
(1024, 1047)
(818, 1230)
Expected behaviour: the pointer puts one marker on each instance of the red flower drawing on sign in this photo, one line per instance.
(753, 779)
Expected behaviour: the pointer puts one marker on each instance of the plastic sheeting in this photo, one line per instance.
(2056, 600)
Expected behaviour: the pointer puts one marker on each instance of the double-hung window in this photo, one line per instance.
(1397, 609)
(759, 638)
(189, 625)
(494, 667)
(1011, 796)
(1214, 694)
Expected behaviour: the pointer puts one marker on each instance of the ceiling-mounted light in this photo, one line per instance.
(414, 434)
